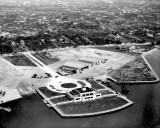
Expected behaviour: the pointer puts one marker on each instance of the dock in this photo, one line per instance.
(46, 100)
(41, 94)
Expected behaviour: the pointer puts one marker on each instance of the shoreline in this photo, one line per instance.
(130, 82)
(11, 95)
(81, 46)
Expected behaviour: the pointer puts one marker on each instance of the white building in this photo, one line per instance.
(84, 94)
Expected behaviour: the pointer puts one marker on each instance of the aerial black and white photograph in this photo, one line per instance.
(79, 63)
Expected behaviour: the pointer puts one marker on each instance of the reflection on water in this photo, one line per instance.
(149, 113)
(31, 112)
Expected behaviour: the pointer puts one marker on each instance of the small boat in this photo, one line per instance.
(6, 109)
(44, 101)
(48, 105)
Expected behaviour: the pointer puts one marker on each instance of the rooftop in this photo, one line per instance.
(75, 65)
(88, 60)
(81, 90)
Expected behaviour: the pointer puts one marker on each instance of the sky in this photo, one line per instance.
(51, 1)
(41, 1)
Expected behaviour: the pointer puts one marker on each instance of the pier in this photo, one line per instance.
(41, 94)
(46, 100)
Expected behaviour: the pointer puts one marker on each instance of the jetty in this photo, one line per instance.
(46, 100)
(41, 94)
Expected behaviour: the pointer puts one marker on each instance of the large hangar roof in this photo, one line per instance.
(88, 60)
(75, 65)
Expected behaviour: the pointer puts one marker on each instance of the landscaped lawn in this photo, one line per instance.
(60, 99)
(136, 70)
(45, 59)
(20, 60)
(105, 92)
(48, 93)
(95, 84)
(103, 104)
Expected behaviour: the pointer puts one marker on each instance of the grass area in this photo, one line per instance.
(105, 92)
(48, 93)
(45, 59)
(136, 70)
(103, 104)
(60, 99)
(95, 84)
(20, 60)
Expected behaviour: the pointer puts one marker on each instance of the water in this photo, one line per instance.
(31, 112)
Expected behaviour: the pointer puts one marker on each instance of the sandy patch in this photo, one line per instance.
(115, 60)
(17, 76)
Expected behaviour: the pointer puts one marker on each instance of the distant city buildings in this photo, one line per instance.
(72, 24)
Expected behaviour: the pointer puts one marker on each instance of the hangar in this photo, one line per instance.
(75, 67)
